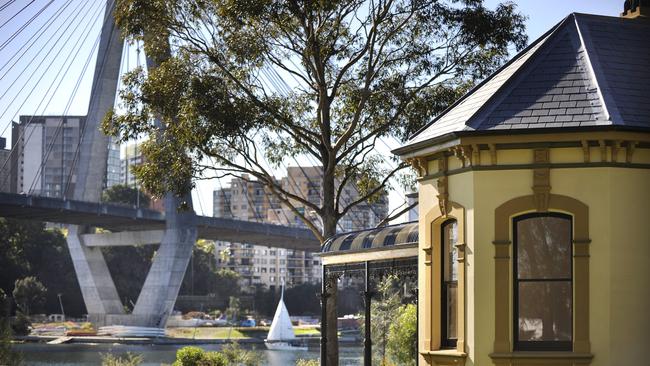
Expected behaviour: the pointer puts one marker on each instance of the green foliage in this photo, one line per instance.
(302, 362)
(195, 356)
(129, 267)
(240, 357)
(8, 356)
(128, 359)
(402, 336)
(189, 356)
(382, 313)
(234, 309)
(124, 194)
(360, 70)
(29, 294)
(29, 249)
(21, 324)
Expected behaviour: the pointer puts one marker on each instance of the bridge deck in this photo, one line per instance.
(124, 218)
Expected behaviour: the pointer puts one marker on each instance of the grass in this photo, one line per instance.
(234, 333)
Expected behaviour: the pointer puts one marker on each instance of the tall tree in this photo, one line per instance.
(29, 294)
(121, 193)
(357, 71)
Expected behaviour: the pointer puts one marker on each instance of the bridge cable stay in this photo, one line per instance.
(59, 127)
(15, 15)
(22, 28)
(26, 67)
(29, 122)
(38, 33)
(5, 5)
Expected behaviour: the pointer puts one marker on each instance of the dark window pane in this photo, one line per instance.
(450, 252)
(544, 247)
(451, 310)
(545, 311)
(449, 282)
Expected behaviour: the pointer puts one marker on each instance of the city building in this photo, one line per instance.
(46, 154)
(5, 167)
(246, 199)
(130, 155)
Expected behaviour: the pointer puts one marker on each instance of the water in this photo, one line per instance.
(90, 354)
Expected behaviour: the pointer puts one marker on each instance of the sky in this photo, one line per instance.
(48, 51)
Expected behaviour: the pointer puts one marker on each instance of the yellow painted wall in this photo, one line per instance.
(619, 208)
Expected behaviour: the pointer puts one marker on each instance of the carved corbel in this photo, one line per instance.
(541, 180)
(603, 150)
(629, 150)
(585, 151)
(458, 153)
(443, 186)
(420, 166)
(443, 195)
(493, 153)
(615, 147)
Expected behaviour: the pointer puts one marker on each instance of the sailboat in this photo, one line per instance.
(281, 336)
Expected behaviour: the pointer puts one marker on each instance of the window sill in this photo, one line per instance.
(445, 356)
(547, 358)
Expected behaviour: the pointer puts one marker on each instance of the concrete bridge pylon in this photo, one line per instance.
(158, 296)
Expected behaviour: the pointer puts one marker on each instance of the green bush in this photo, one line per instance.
(402, 336)
(214, 359)
(195, 356)
(189, 356)
(7, 354)
(21, 324)
(302, 362)
(128, 359)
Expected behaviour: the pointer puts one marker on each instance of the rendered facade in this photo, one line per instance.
(533, 206)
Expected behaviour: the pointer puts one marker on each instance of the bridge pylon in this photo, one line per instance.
(158, 296)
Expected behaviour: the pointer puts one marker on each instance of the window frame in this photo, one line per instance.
(446, 343)
(540, 345)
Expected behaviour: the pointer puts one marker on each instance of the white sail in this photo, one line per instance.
(281, 328)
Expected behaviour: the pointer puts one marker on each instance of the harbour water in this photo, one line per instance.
(90, 354)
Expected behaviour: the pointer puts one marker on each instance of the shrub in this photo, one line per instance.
(189, 356)
(128, 359)
(21, 324)
(7, 355)
(214, 359)
(195, 356)
(302, 362)
(402, 336)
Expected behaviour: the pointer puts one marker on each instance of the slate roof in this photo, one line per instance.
(587, 71)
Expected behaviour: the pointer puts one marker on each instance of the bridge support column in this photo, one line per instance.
(97, 287)
(165, 277)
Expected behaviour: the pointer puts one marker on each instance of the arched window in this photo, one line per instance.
(449, 285)
(543, 282)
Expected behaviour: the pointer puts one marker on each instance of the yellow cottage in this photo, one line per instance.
(534, 191)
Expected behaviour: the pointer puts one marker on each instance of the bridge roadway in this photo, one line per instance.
(118, 218)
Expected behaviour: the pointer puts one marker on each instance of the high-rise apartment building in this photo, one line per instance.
(130, 156)
(47, 149)
(246, 199)
(5, 167)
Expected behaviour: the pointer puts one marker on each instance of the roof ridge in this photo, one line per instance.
(610, 109)
(478, 86)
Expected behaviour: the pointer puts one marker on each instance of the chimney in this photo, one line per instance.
(635, 8)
